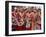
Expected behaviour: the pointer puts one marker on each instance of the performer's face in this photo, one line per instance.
(33, 14)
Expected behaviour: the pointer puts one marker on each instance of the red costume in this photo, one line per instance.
(15, 27)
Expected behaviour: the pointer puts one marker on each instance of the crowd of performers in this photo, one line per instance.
(26, 18)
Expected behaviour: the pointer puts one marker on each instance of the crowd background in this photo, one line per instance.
(26, 18)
